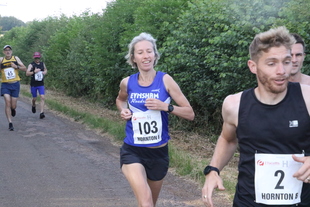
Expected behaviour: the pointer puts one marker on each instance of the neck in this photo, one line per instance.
(295, 77)
(146, 78)
(268, 97)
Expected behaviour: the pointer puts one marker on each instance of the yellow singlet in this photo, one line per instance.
(9, 74)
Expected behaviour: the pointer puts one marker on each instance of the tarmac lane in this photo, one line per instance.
(55, 162)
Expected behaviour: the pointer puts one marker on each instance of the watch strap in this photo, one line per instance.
(170, 108)
(210, 168)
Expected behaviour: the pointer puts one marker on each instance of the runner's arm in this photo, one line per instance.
(183, 108)
(121, 100)
(225, 147)
(20, 65)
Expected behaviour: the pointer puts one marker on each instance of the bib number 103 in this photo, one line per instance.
(147, 128)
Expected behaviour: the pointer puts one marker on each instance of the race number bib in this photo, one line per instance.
(38, 76)
(274, 181)
(147, 127)
(9, 73)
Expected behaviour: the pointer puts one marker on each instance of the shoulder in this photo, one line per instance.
(305, 79)
(17, 59)
(170, 83)
(124, 82)
(231, 105)
(306, 94)
(233, 99)
(167, 77)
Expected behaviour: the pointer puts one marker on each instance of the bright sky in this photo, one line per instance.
(29, 10)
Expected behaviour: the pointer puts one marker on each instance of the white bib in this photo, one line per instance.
(147, 127)
(9, 73)
(38, 76)
(274, 181)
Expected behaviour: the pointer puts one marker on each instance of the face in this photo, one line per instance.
(7, 52)
(273, 69)
(144, 55)
(37, 60)
(298, 57)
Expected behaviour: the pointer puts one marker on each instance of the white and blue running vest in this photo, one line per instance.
(137, 96)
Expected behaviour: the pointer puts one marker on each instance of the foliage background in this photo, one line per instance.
(203, 43)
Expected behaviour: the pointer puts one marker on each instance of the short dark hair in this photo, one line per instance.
(299, 40)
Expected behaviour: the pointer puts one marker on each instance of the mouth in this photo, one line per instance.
(280, 81)
(146, 62)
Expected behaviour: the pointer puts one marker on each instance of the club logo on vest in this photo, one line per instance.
(293, 123)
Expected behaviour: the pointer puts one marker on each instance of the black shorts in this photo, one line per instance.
(154, 160)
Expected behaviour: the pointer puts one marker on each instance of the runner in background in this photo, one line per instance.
(298, 57)
(10, 82)
(37, 71)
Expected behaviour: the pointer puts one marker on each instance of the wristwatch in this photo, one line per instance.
(210, 168)
(170, 108)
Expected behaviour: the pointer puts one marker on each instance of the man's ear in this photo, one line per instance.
(252, 66)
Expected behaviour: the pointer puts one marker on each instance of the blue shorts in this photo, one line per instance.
(154, 160)
(10, 88)
(34, 89)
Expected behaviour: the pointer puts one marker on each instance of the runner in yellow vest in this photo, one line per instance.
(10, 85)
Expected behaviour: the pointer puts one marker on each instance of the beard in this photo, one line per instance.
(269, 83)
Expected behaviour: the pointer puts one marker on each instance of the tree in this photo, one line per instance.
(7, 23)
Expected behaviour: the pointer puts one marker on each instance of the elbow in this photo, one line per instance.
(191, 116)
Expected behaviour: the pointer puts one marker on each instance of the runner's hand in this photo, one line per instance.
(304, 172)
(213, 181)
(126, 114)
(155, 104)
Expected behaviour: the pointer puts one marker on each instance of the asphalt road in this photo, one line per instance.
(55, 162)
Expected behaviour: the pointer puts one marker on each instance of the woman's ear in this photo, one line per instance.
(252, 66)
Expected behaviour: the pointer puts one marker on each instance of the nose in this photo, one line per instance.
(281, 69)
(294, 58)
(146, 54)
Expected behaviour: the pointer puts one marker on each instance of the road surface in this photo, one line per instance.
(54, 162)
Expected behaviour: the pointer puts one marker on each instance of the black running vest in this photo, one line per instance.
(283, 128)
(33, 82)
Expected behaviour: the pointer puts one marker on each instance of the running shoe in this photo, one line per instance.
(42, 115)
(11, 128)
(34, 109)
(13, 112)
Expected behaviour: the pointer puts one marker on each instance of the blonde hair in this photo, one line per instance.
(272, 38)
(131, 48)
